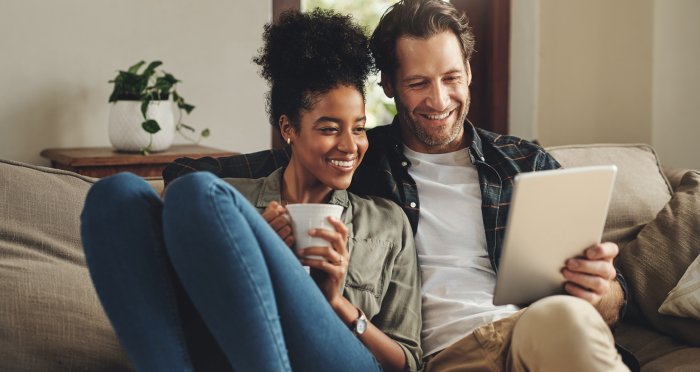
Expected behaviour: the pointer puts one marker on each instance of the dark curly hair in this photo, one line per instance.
(308, 54)
(418, 19)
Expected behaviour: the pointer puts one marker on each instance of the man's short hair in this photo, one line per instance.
(419, 19)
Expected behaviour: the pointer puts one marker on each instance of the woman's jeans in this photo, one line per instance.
(200, 281)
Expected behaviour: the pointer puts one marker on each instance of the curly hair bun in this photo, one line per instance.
(315, 49)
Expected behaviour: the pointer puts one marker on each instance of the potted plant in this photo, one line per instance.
(142, 115)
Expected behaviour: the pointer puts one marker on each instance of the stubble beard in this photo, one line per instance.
(433, 141)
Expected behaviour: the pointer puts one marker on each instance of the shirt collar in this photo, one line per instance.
(272, 191)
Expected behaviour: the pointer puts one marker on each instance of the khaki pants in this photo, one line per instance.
(558, 333)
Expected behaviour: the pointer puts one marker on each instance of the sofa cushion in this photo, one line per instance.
(655, 261)
(641, 189)
(50, 317)
(655, 351)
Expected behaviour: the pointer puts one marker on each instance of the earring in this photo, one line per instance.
(289, 140)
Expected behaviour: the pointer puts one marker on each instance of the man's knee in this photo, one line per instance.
(560, 325)
(564, 333)
(566, 312)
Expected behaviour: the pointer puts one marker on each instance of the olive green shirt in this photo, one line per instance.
(383, 278)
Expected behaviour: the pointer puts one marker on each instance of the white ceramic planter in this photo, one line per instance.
(126, 133)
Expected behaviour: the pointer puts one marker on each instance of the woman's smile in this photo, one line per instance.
(345, 165)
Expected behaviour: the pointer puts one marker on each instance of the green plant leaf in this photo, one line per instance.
(169, 78)
(151, 126)
(187, 107)
(144, 106)
(135, 68)
(205, 133)
(127, 86)
(151, 69)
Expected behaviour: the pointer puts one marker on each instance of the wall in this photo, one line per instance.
(595, 71)
(676, 82)
(524, 69)
(608, 71)
(57, 57)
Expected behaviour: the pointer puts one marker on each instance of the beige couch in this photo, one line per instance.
(51, 320)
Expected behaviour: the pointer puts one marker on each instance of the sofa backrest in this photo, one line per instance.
(641, 189)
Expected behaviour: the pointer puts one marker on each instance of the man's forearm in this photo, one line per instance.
(610, 305)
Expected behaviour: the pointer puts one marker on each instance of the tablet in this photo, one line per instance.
(554, 215)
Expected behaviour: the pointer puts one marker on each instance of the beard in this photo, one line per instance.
(439, 138)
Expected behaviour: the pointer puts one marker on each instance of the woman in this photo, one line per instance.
(201, 280)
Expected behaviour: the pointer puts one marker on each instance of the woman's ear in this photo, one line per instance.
(286, 128)
(386, 85)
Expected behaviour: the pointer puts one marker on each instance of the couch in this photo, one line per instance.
(51, 319)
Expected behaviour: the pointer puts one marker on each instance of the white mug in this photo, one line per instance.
(311, 216)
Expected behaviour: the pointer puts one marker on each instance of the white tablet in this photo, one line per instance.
(554, 215)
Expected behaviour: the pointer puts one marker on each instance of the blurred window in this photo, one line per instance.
(380, 108)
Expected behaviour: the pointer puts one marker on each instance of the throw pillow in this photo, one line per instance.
(684, 299)
(655, 261)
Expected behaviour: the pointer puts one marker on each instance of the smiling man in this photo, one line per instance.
(431, 98)
(454, 181)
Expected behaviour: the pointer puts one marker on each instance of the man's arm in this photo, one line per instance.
(610, 305)
(253, 165)
(593, 278)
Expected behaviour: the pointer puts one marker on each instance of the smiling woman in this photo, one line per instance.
(227, 293)
(327, 145)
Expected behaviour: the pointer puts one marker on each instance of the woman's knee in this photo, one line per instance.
(117, 185)
(197, 191)
(190, 186)
(123, 191)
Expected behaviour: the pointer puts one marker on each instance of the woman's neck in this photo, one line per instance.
(299, 186)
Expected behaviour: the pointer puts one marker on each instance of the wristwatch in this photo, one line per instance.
(359, 325)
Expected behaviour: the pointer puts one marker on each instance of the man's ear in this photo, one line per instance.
(286, 128)
(469, 73)
(386, 85)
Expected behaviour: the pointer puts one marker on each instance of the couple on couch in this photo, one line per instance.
(204, 279)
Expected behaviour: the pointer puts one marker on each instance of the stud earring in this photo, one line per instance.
(289, 140)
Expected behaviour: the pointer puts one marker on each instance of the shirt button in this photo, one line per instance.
(404, 163)
(413, 204)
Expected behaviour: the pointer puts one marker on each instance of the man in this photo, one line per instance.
(464, 178)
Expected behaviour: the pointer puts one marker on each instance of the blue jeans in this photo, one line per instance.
(200, 281)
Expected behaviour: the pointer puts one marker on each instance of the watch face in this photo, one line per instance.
(361, 326)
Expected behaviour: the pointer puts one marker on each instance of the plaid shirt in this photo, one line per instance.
(384, 172)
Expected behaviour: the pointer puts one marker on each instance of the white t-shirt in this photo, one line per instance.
(458, 280)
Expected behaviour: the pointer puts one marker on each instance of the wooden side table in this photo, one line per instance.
(105, 161)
